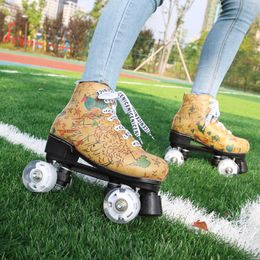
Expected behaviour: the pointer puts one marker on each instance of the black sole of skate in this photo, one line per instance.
(59, 151)
(187, 144)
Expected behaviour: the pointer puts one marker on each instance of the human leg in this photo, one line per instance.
(197, 119)
(89, 129)
(222, 44)
(115, 35)
(89, 121)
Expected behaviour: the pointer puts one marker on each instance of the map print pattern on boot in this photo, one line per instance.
(89, 122)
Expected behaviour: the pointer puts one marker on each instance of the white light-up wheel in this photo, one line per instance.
(228, 167)
(39, 176)
(121, 205)
(174, 156)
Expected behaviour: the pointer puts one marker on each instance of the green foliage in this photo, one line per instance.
(3, 13)
(47, 27)
(142, 48)
(96, 11)
(245, 71)
(77, 34)
(53, 32)
(191, 54)
(2, 25)
(19, 28)
(34, 12)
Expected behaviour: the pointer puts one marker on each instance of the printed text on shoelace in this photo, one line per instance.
(136, 121)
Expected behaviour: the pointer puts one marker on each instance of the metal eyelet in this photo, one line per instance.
(136, 143)
(125, 136)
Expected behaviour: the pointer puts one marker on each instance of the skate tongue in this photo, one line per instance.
(108, 95)
(213, 116)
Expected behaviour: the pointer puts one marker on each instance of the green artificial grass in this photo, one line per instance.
(70, 224)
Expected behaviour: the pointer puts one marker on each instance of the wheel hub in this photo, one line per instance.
(121, 205)
(229, 170)
(37, 175)
(174, 160)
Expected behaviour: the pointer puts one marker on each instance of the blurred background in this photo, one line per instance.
(169, 44)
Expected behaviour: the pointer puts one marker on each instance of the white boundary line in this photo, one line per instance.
(34, 74)
(243, 232)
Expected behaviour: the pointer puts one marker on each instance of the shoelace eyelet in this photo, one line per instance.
(136, 143)
(111, 97)
(119, 127)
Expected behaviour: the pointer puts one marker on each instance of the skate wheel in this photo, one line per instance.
(39, 176)
(228, 167)
(174, 156)
(121, 205)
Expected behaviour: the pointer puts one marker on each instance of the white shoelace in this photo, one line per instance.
(111, 97)
(213, 116)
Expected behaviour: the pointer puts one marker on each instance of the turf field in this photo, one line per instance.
(70, 224)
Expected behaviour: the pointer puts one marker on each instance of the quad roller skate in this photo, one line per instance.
(88, 129)
(196, 128)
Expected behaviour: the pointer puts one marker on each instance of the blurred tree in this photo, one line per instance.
(2, 25)
(142, 47)
(181, 8)
(245, 70)
(19, 29)
(3, 14)
(243, 73)
(94, 15)
(33, 10)
(47, 24)
(192, 53)
(77, 35)
(96, 11)
(56, 32)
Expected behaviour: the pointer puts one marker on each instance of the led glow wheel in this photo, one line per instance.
(228, 167)
(39, 176)
(121, 205)
(174, 156)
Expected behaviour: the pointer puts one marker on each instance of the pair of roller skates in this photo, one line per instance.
(89, 130)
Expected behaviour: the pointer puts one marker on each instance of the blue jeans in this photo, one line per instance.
(122, 20)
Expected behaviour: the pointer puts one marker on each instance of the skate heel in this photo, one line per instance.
(61, 151)
(242, 165)
(151, 203)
